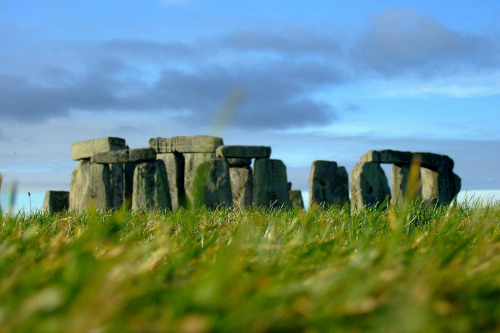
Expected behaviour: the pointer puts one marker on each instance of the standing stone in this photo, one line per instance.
(343, 185)
(174, 164)
(90, 187)
(241, 187)
(270, 188)
(85, 149)
(399, 178)
(296, 199)
(117, 185)
(128, 183)
(192, 162)
(56, 201)
(369, 185)
(328, 184)
(150, 186)
(208, 183)
(440, 184)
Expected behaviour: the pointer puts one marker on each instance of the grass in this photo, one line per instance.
(417, 269)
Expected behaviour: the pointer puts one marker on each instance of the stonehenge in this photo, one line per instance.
(200, 171)
(434, 179)
(173, 173)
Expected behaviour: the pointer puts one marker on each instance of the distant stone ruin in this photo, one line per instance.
(200, 171)
(195, 171)
(369, 184)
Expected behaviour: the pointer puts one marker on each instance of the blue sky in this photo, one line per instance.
(319, 79)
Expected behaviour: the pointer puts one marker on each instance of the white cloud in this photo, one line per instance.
(462, 85)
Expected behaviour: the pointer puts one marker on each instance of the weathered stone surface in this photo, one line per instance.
(174, 164)
(56, 201)
(207, 181)
(369, 185)
(239, 162)
(400, 177)
(343, 186)
(141, 155)
(150, 186)
(124, 156)
(128, 182)
(442, 184)
(387, 156)
(110, 157)
(296, 199)
(192, 162)
(328, 184)
(434, 161)
(243, 151)
(85, 149)
(186, 144)
(241, 187)
(117, 184)
(270, 188)
(90, 187)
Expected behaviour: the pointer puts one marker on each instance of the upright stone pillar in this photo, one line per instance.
(55, 201)
(128, 181)
(174, 164)
(440, 184)
(328, 184)
(241, 186)
(270, 184)
(296, 199)
(369, 186)
(400, 177)
(150, 186)
(192, 163)
(90, 187)
(117, 185)
(208, 184)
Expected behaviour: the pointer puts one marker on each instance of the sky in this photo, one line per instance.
(315, 80)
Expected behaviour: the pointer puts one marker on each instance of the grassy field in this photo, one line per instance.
(418, 269)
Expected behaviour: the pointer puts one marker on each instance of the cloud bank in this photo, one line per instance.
(280, 71)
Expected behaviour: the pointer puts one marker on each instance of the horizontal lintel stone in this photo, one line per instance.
(141, 155)
(427, 160)
(235, 162)
(124, 156)
(110, 157)
(433, 161)
(243, 151)
(387, 156)
(82, 150)
(186, 144)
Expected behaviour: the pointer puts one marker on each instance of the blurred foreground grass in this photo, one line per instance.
(421, 269)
